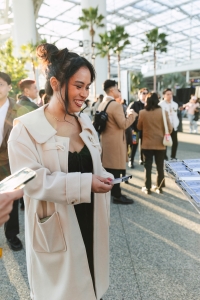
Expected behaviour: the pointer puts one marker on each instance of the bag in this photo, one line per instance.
(100, 119)
(134, 137)
(167, 140)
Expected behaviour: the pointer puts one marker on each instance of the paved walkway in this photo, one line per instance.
(154, 244)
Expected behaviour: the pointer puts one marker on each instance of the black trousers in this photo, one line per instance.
(175, 144)
(148, 161)
(12, 226)
(116, 190)
(134, 148)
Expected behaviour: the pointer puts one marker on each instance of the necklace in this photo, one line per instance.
(57, 118)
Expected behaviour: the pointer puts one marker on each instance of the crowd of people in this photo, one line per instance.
(67, 206)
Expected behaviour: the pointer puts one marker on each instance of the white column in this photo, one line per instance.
(100, 63)
(24, 23)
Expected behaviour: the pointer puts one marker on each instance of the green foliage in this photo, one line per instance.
(119, 39)
(13, 66)
(155, 41)
(90, 18)
(174, 80)
(105, 45)
(28, 52)
(137, 81)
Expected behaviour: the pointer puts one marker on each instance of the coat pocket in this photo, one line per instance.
(48, 236)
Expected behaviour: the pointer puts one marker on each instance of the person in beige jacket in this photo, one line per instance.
(113, 138)
(151, 123)
(67, 204)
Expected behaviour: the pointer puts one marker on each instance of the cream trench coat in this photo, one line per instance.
(56, 256)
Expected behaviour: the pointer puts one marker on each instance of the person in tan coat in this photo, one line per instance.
(67, 204)
(113, 138)
(151, 123)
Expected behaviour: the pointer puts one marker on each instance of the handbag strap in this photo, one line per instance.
(165, 121)
(107, 105)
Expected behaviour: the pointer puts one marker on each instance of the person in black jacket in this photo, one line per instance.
(29, 93)
(9, 110)
(137, 106)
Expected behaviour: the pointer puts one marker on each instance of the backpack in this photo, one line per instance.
(100, 119)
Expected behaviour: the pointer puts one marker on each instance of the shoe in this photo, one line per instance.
(122, 200)
(173, 159)
(127, 182)
(131, 165)
(15, 244)
(159, 190)
(141, 162)
(146, 191)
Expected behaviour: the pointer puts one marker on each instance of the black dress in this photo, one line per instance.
(82, 162)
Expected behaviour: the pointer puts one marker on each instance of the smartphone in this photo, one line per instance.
(17, 180)
(121, 179)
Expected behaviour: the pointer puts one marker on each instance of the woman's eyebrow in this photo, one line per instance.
(78, 81)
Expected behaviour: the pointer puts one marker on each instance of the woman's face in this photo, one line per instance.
(78, 89)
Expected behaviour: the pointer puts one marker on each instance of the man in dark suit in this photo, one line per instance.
(137, 106)
(29, 93)
(9, 110)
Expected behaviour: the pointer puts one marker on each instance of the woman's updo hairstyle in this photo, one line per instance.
(152, 101)
(61, 64)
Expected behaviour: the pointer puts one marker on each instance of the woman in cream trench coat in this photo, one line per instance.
(55, 247)
(57, 260)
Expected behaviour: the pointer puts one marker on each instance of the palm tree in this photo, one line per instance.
(156, 42)
(28, 52)
(89, 20)
(119, 41)
(104, 48)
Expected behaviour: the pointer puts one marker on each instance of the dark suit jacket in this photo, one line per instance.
(30, 106)
(14, 111)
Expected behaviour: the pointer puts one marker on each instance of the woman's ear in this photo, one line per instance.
(54, 84)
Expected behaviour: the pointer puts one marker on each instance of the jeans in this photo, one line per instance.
(148, 161)
(193, 124)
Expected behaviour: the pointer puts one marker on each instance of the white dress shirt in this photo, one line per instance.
(3, 113)
(171, 108)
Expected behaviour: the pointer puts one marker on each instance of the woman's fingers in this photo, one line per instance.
(101, 184)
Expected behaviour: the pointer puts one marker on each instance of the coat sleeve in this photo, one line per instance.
(58, 187)
(120, 119)
(140, 122)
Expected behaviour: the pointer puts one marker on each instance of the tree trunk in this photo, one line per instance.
(119, 81)
(108, 66)
(154, 80)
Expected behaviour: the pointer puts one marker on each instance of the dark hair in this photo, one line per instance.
(41, 92)
(45, 99)
(152, 101)
(166, 90)
(62, 65)
(100, 97)
(25, 83)
(5, 77)
(109, 84)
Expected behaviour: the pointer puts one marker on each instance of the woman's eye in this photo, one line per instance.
(78, 87)
(87, 88)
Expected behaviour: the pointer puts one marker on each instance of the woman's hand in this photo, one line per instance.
(100, 184)
(6, 204)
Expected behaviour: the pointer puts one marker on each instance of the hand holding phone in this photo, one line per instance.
(17, 180)
(121, 179)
